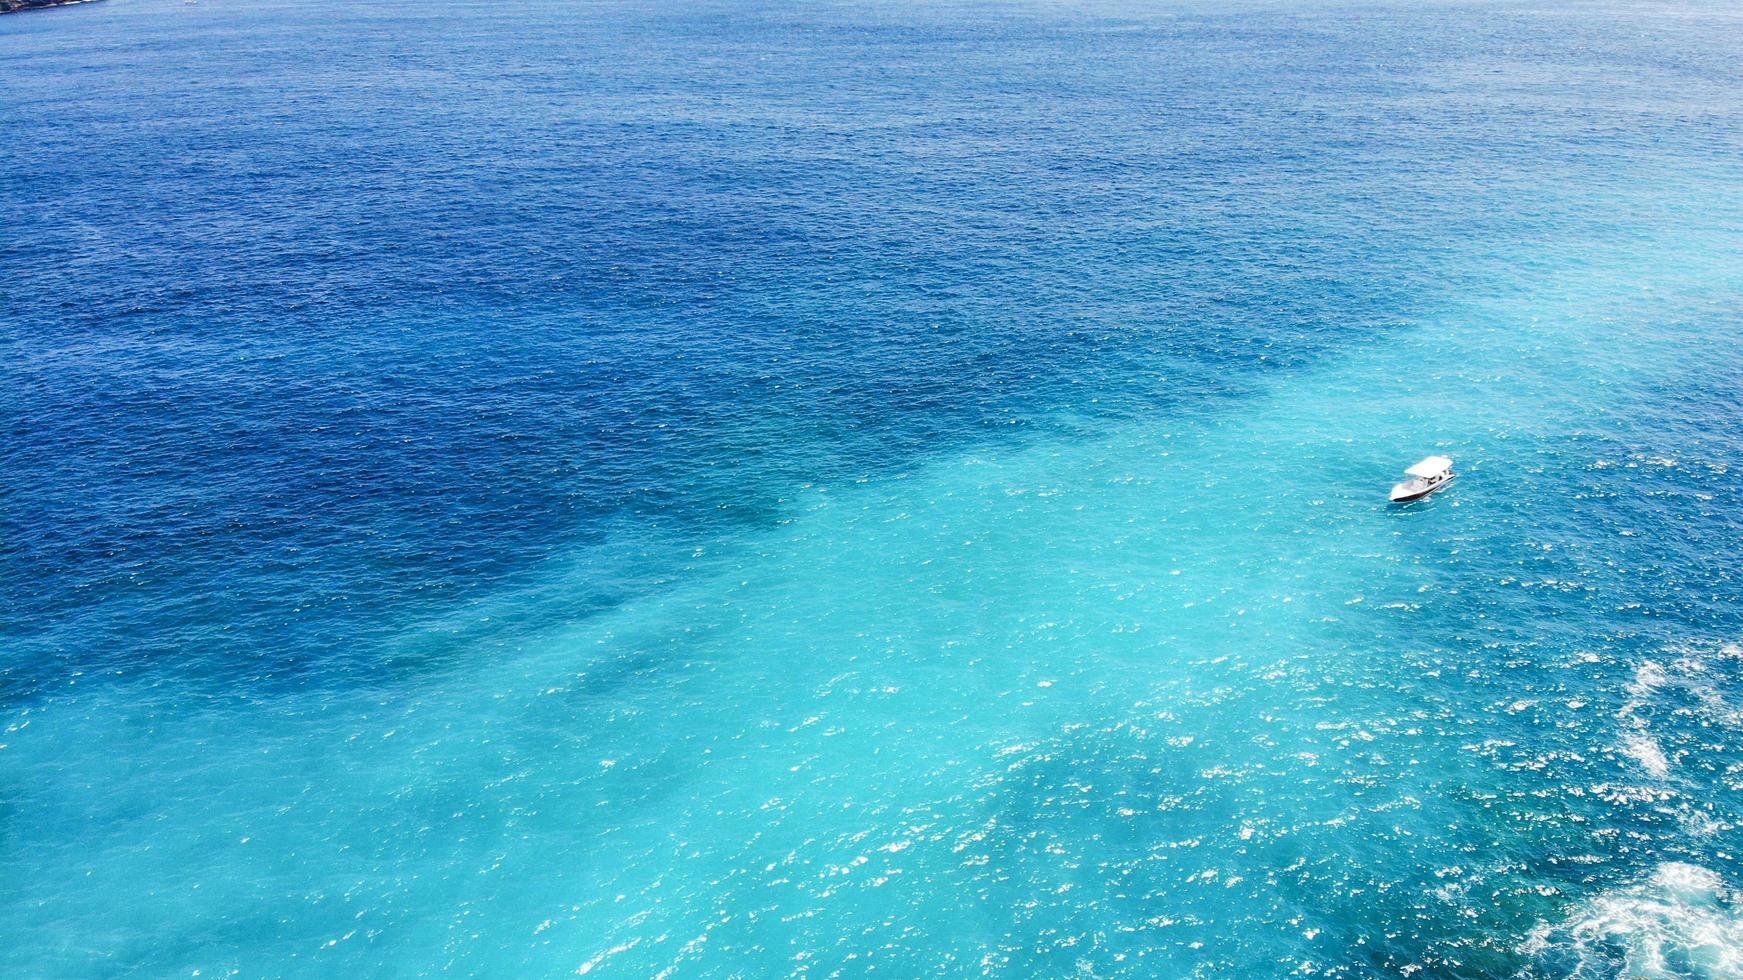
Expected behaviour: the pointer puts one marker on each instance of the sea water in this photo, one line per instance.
(767, 489)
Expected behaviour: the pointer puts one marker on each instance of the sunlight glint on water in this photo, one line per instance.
(1152, 683)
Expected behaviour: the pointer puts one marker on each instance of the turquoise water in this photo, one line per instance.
(762, 491)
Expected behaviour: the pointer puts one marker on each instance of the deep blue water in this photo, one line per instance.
(762, 489)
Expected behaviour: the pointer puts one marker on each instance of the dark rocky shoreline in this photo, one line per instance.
(14, 6)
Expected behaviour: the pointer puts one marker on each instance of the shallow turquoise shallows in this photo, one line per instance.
(621, 489)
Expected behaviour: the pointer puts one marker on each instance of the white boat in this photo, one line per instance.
(1425, 478)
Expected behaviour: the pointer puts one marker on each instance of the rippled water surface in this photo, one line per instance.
(755, 489)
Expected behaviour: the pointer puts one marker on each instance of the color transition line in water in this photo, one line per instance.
(1186, 699)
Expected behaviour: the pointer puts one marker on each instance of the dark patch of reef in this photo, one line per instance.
(13, 6)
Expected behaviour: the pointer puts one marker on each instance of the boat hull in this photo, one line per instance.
(1419, 494)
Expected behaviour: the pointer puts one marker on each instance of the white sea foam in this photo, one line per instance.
(1689, 673)
(1683, 921)
(1644, 749)
(1648, 677)
(1637, 741)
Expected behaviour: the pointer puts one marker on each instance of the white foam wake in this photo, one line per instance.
(1692, 674)
(1683, 921)
(1637, 740)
